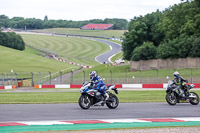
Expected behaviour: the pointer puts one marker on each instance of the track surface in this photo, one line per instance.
(37, 112)
(105, 57)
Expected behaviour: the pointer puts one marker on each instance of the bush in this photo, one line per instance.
(145, 52)
(12, 40)
(176, 48)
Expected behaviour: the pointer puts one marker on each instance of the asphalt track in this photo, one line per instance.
(47, 112)
(105, 57)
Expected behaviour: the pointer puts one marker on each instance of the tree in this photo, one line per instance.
(195, 50)
(4, 21)
(3, 17)
(46, 18)
(180, 19)
(134, 38)
(118, 24)
(145, 52)
(179, 47)
(154, 33)
(12, 40)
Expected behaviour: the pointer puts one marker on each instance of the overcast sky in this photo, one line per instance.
(82, 9)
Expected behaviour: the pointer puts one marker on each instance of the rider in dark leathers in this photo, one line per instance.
(180, 82)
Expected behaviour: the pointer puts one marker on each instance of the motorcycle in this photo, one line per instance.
(91, 97)
(174, 94)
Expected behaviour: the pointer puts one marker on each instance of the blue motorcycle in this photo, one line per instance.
(92, 97)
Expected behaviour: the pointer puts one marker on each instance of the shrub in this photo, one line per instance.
(145, 52)
(12, 40)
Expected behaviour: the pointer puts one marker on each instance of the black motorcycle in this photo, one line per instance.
(91, 97)
(174, 94)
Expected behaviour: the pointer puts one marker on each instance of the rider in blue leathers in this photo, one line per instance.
(98, 83)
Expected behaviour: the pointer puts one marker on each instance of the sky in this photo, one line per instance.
(82, 9)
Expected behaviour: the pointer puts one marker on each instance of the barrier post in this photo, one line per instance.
(111, 76)
(84, 75)
(157, 76)
(16, 79)
(32, 79)
(126, 76)
(2, 79)
(140, 76)
(191, 74)
(50, 77)
(39, 79)
(60, 77)
(71, 77)
(7, 80)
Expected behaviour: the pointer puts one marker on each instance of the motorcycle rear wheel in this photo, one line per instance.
(112, 102)
(171, 100)
(194, 101)
(84, 102)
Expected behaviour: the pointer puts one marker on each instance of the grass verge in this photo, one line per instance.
(72, 97)
(77, 31)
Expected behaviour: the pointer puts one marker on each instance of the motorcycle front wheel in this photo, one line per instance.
(84, 102)
(171, 99)
(112, 102)
(194, 98)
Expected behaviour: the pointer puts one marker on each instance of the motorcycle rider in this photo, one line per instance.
(179, 82)
(98, 84)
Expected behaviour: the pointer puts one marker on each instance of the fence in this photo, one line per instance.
(68, 76)
(143, 77)
(34, 78)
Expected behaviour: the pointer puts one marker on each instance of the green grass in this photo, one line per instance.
(77, 31)
(120, 43)
(78, 50)
(72, 97)
(117, 56)
(23, 61)
(32, 51)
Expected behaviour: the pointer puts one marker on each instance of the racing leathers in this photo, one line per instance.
(180, 83)
(98, 84)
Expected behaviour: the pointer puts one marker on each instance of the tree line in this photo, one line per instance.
(172, 33)
(12, 40)
(33, 23)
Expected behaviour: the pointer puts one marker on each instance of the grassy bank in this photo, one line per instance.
(77, 31)
(78, 50)
(24, 61)
(72, 97)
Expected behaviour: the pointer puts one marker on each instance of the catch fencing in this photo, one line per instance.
(26, 79)
(137, 77)
(68, 76)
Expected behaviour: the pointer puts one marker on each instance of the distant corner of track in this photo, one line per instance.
(115, 48)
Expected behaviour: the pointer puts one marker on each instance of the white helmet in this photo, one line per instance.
(176, 74)
(93, 74)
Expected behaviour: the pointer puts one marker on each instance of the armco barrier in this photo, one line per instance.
(131, 86)
(152, 85)
(8, 87)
